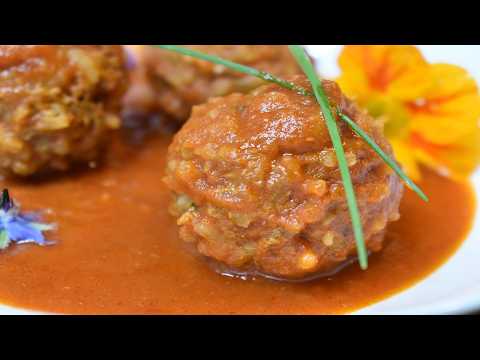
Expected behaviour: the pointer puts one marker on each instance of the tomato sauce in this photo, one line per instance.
(117, 250)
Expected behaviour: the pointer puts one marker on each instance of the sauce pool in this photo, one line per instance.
(117, 250)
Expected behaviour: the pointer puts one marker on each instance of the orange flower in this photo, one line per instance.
(431, 112)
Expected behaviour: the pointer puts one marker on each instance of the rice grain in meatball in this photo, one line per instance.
(258, 189)
(58, 104)
(164, 81)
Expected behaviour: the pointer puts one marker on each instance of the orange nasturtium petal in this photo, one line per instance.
(450, 109)
(397, 71)
(457, 160)
(431, 112)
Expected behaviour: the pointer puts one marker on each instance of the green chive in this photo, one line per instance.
(235, 66)
(358, 130)
(304, 62)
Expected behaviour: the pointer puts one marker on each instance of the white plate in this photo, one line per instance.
(455, 287)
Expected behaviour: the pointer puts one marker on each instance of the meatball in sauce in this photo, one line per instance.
(58, 104)
(257, 188)
(170, 83)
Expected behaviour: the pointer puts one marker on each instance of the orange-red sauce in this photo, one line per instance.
(117, 249)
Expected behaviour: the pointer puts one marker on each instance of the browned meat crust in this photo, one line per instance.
(58, 104)
(163, 81)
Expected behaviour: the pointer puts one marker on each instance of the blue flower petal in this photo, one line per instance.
(20, 231)
(30, 216)
(20, 227)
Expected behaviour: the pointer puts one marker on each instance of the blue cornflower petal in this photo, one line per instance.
(31, 216)
(20, 227)
(20, 230)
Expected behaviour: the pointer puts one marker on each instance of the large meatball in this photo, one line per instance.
(258, 189)
(164, 81)
(58, 104)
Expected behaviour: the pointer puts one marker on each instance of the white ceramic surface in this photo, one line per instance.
(455, 287)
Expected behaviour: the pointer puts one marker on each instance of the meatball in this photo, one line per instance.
(257, 187)
(58, 104)
(164, 81)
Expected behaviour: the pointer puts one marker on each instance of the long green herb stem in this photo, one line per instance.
(238, 67)
(305, 63)
(358, 130)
